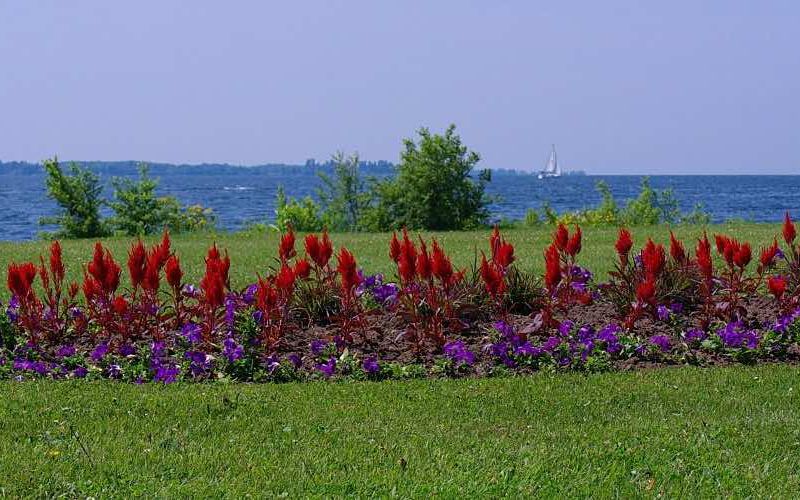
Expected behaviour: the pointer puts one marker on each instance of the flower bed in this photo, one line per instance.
(320, 316)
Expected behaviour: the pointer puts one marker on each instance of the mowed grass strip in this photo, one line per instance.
(676, 432)
(254, 253)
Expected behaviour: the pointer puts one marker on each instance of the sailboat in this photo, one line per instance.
(551, 169)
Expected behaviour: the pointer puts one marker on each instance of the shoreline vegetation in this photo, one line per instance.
(437, 186)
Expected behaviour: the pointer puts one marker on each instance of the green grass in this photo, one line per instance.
(679, 432)
(251, 253)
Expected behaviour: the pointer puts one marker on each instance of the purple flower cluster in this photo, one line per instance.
(735, 334)
(458, 352)
(384, 294)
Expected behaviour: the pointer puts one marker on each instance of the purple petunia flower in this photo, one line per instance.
(663, 312)
(200, 362)
(676, 307)
(294, 359)
(230, 310)
(249, 296)
(192, 332)
(565, 327)
(99, 352)
(65, 351)
(458, 352)
(385, 294)
(191, 291)
(232, 350)
(80, 372)
(661, 341)
(371, 365)
(695, 335)
(127, 350)
(551, 344)
(527, 349)
(317, 346)
(114, 371)
(272, 363)
(734, 334)
(12, 311)
(157, 348)
(328, 368)
(167, 373)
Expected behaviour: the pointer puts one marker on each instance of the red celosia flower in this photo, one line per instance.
(56, 262)
(174, 272)
(20, 279)
(653, 258)
(137, 258)
(74, 288)
(266, 295)
(768, 254)
(216, 278)
(347, 270)
(104, 269)
(573, 247)
(285, 280)
(624, 243)
(561, 237)
(492, 278)
(722, 243)
(320, 250)
(743, 255)
(302, 269)
(91, 288)
(777, 286)
(441, 266)
(645, 291)
(407, 262)
(505, 255)
(152, 271)
(120, 305)
(494, 241)
(326, 247)
(394, 248)
(704, 261)
(164, 249)
(423, 262)
(552, 266)
(676, 250)
(789, 231)
(286, 248)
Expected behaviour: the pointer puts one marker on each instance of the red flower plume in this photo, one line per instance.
(423, 262)
(286, 247)
(552, 266)
(561, 237)
(645, 291)
(789, 231)
(676, 250)
(704, 262)
(174, 272)
(394, 248)
(653, 258)
(768, 254)
(104, 269)
(777, 286)
(492, 278)
(624, 243)
(441, 266)
(56, 261)
(743, 255)
(20, 279)
(573, 247)
(347, 270)
(137, 259)
(302, 269)
(215, 279)
(285, 280)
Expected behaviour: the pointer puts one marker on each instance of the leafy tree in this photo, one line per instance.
(78, 194)
(433, 188)
(302, 215)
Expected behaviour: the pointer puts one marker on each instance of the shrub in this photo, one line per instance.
(138, 211)
(302, 215)
(78, 194)
(434, 188)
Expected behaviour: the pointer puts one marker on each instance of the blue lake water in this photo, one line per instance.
(241, 194)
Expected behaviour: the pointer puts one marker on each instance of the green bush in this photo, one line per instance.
(302, 215)
(78, 194)
(433, 188)
(139, 211)
(344, 198)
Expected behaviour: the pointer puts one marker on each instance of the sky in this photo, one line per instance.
(678, 87)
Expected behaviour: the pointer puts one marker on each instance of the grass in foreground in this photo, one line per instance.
(252, 253)
(680, 432)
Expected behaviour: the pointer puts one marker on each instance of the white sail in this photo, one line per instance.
(552, 168)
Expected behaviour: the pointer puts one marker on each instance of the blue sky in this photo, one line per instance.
(620, 87)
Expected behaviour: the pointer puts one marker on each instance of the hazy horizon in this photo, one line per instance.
(620, 87)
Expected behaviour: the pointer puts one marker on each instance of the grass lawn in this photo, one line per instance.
(680, 432)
